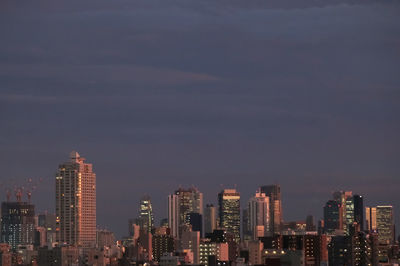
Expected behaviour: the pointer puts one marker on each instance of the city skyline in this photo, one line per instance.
(199, 200)
(296, 99)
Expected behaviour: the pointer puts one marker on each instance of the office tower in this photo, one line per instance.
(333, 217)
(385, 224)
(180, 204)
(258, 213)
(310, 223)
(196, 221)
(76, 202)
(146, 219)
(173, 214)
(370, 218)
(345, 198)
(359, 210)
(210, 218)
(17, 223)
(273, 192)
(229, 212)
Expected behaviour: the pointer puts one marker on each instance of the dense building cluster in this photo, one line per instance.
(253, 233)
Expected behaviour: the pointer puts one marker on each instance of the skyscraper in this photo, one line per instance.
(76, 202)
(17, 223)
(333, 217)
(359, 210)
(229, 212)
(180, 204)
(258, 212)
(173, 214)
(385, 224)
(273, 192)
(370, 218)
(210, 218)
(146, 218)
(345, 198)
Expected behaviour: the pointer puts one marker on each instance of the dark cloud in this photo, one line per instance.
(165, 93)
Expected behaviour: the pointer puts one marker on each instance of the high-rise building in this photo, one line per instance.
(385, 224)
(76, 202)
(273, 192)
(345, 198)
(359, 210)
(17, 223)
(229, 212)
(370, 218)
(258, 212)
(180, 204)
(146, 218)
(333, 218)
(210, 218)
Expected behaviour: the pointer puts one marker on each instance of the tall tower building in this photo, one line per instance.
(370, 218)
(146, 218)
(385, 224)
(345, 198)
(258, 212)
(17, 223)
(273, 192)
(180, 205)
(173, 215)
(333, 216)
(229, 212)
(76, 202)
(359, 210)
(210, 218)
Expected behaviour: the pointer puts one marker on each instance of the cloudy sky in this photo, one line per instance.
(161, 94)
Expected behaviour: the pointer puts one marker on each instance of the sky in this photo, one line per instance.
(216, 94)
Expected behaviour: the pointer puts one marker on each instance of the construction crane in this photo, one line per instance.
(20, 187)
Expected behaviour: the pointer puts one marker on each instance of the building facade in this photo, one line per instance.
(273, 192)
(229, 212)
(76, 202)
(17, 223)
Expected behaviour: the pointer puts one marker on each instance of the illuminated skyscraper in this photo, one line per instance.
(180, 204)
(146, 219)
(345, 198)
(210, 218)
(258, 212)
(229, 212)
(273, 192)
(385, 224)
(370, 218)
(76, 202)
(17, 223)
